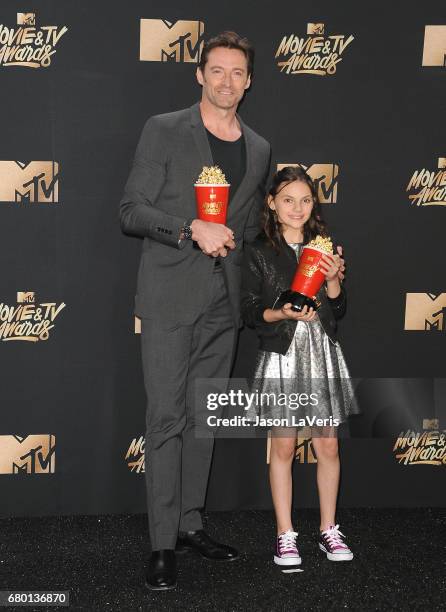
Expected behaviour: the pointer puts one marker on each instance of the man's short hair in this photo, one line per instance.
(229, 40)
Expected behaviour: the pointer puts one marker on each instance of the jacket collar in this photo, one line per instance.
(200, 136)
(288, 252)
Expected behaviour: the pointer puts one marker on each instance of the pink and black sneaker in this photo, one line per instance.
(286, 549)
(331, 542)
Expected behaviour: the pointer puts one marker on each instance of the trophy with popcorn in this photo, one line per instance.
(212, 195)
(308, 278)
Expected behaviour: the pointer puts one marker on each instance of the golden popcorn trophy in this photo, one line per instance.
(308, 278)
(212, 195)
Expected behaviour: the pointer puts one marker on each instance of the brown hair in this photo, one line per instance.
(229, 40)
(272, 228)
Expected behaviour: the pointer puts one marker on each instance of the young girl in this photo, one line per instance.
(298, 352)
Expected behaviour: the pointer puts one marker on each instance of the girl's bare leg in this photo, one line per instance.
(325, 444)
(283, 444)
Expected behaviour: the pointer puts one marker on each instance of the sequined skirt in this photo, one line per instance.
(310, 380)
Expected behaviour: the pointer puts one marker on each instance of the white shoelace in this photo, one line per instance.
(287, 540)
(334, 536)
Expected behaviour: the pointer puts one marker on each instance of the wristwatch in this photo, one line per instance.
(186, 230)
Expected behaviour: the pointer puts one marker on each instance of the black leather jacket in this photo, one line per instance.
(265, 274)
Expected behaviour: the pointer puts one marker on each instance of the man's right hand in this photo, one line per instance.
(213, 238)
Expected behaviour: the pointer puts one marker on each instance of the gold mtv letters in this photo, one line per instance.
(315, 28)
(434, 50)
(314, 53)
(26, 297)
(34, 454)
(431, 424)
(166, 41)
(427, 447)
(27, 45)
(29, 321)
(425, 311)
(304, 447)
(428, 187)
(35, 182)
(26, 19)
(325, 177)
(304, 451)
(135, 455)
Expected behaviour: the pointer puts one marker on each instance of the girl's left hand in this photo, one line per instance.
(341, 273)
(332, 266)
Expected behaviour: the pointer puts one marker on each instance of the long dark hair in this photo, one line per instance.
(315, 226)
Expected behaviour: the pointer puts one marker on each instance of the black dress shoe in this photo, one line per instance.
(162, 574)
(200, 542)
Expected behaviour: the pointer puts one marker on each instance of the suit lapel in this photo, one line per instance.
(238, 198)
(200, 137)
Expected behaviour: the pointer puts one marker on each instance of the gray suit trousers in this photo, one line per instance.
(177, 457)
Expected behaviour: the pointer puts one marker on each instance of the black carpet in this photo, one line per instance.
(399, 563)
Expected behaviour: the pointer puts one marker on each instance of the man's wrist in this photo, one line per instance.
(193, 224)
(186, 230)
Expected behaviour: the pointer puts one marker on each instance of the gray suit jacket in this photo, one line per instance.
(174, 278)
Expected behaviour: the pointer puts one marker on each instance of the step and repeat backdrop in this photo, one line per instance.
(356, 97)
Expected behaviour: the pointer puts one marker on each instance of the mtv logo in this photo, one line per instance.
(425, 311)
(325, 177)
(166, 41)
(315, 28)
(35, 182)
(304, 449)
(26, 19)
(431, 424)
(26, 297)
(137, 325)
(434, 50)
(34, 454)
(442, 162)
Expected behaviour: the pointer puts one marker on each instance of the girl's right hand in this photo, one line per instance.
(305, 314)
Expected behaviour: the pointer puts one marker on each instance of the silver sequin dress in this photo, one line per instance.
(313, 364)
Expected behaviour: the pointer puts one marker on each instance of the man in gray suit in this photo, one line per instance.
(188, 288)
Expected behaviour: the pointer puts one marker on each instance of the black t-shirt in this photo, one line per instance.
(230, 156)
